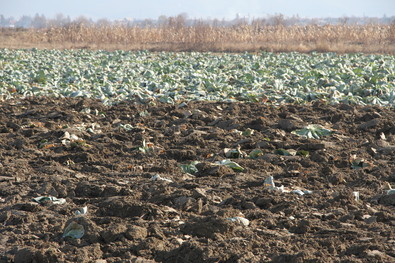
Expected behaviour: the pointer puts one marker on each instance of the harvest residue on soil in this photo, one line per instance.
(106, 158)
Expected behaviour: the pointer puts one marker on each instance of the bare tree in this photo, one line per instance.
(39, 21)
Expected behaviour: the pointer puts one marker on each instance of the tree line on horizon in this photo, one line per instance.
(41, 21)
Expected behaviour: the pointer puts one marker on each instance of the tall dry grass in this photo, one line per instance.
(342, 38)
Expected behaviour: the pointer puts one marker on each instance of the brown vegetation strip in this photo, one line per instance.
(372, 38)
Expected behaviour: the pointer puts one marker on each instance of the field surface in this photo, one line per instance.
(196, 157)
(124, 163)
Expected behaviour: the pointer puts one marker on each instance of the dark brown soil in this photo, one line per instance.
(132, 218)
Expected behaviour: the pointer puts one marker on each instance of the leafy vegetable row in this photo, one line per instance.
(146, 77)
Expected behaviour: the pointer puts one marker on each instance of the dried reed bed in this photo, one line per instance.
(373, 38)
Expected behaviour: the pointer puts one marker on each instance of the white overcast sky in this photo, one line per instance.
(140, 9)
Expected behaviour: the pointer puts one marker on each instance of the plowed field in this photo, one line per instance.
(106, 158)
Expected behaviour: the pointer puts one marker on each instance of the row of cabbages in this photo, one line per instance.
(147, 77)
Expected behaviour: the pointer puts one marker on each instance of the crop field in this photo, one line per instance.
(201, 36)
(147, 77)
(139, 156)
